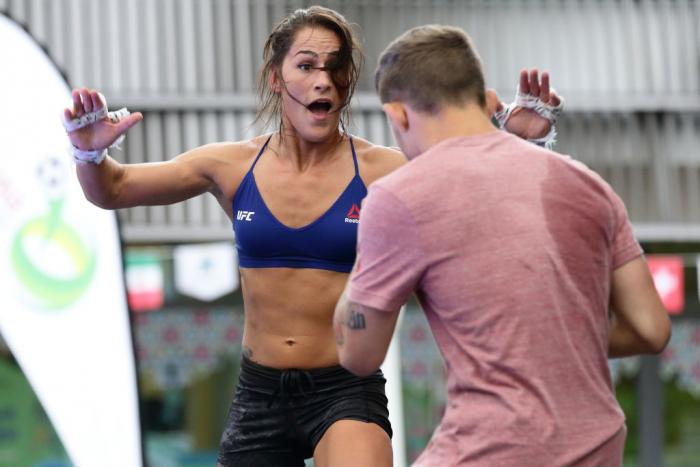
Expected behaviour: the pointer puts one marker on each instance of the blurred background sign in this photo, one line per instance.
(667, 271)
(206, 271)
(144, 280)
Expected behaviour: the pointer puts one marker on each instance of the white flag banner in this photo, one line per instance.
(206, 271)
(63, 308)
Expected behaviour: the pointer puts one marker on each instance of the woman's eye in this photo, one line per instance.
(305, 67)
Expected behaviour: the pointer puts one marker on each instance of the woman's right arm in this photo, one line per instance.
(111, 185)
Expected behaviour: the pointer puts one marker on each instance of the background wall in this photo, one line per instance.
(629, 69)
(630, 73)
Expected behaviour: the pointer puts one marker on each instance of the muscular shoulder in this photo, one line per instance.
(240, 153)
(376, 161)
(225, 163)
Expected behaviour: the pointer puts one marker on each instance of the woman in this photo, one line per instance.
(294, 199)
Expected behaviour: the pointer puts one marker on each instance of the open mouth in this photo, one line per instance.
(320, 106)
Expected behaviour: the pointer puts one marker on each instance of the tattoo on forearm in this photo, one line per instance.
(339, 339)
(247, 352)
(356, 320)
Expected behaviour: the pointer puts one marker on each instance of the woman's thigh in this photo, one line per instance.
(351, 443)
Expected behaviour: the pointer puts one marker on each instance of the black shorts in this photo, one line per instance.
(278, 416)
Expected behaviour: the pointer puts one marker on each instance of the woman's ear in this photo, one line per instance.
(274, 82)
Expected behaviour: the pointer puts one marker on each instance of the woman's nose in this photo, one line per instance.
(323, 79)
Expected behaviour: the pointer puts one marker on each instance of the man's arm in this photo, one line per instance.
(639, 323)
(389, 266)
(362, 335)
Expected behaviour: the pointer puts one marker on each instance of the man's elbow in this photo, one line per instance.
(358, 365)
(660, 339)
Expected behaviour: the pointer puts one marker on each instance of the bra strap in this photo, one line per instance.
(354, 156)
(262, 149)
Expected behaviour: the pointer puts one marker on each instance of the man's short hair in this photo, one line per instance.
(430, 66)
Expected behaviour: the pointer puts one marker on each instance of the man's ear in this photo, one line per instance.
(493, 102)
(396, 113)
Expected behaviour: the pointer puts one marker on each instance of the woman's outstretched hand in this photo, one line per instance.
(103, 132)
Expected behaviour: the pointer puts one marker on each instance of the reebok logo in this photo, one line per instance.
(353, 215)
(245, 215)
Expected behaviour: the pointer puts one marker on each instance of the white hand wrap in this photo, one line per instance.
(528, 101)
(95, 156)
(85, 120)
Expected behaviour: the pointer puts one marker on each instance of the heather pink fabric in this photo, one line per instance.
(510, 250)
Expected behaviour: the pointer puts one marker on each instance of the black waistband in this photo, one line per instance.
(295, 381)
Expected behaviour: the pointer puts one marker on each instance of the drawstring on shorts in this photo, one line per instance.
(293, 382)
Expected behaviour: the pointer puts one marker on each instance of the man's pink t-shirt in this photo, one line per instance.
(510, 250)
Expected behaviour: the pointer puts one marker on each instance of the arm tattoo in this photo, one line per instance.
(339, 338)
(356, 320)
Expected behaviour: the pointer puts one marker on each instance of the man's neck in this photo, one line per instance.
(451, 122)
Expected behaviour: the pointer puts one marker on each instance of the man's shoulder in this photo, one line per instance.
(591, 178)
(401, 181)
(424, 179)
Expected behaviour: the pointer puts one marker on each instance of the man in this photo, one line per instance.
(523, 261)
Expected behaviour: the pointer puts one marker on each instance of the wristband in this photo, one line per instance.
(94, 156)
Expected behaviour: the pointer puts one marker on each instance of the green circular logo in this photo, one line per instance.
(50, 232)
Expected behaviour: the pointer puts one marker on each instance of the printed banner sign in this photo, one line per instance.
(63, 310)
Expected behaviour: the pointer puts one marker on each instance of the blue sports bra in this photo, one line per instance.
(328, 243)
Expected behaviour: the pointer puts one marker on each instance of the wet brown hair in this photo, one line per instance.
(344, 71)
(430, 66)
